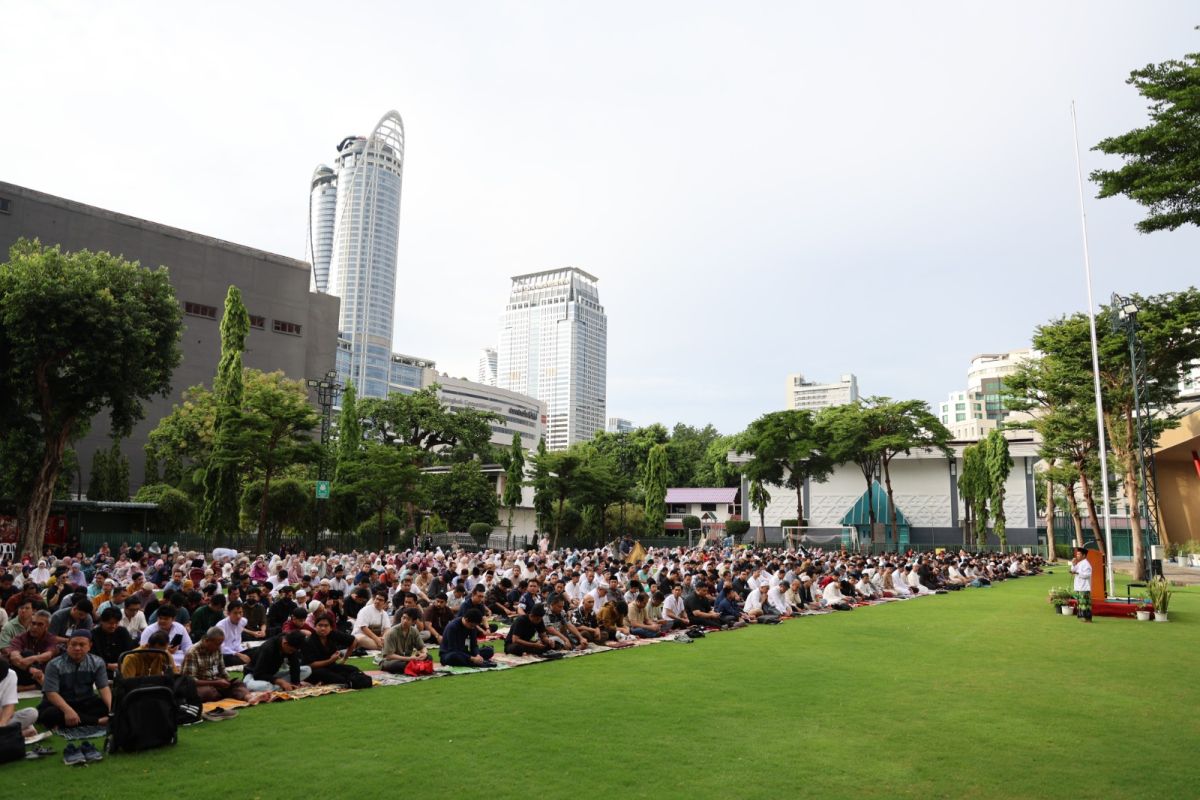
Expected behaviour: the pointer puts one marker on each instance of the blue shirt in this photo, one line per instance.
(458, 638)
(727, 608)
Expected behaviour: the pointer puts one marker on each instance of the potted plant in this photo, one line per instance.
(1083, 606)
(1144, 610)
(1160, 596)
(1059, 596)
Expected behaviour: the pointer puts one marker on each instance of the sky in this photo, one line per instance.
(763, 188)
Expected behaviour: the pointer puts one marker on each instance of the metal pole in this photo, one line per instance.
(1091, 311)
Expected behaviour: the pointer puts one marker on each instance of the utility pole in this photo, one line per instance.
(328, 389)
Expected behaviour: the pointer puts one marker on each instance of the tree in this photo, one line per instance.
(80, 333)
(560, 473)
(787, 448)
(463, 495)
(760, 498)
(383, 477)
(219, 514)
(288, 505)
(655, 490)
(715, 469)
(1160, 170)
(686, 451)
(900, 427)
(514, 479)
(975, 487)
(349, 431)
(273, 430)
(847, 430)
(543, 499)
(423, 422)
(176, 511)
(98, 477)
(998, 464)
(150, 469)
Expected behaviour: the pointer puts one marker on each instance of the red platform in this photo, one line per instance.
(1103, 606)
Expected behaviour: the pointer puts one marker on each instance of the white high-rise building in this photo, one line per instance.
(973, 414)
(803, 393)
(361, 264)
(619, 425)
(554, 346)
(322, 211)
(487, 366)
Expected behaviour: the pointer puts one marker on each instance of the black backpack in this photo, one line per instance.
(144, 711)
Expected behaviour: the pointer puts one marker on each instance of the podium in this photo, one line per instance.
(1102, 605)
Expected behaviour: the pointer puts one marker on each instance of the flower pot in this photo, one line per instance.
(1068, 611)
(1160, 616)
(1143, 616)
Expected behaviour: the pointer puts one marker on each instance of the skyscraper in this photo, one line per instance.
(364, 189)
(487, 366)
(554, 346)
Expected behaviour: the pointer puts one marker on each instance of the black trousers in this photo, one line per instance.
(90, 710)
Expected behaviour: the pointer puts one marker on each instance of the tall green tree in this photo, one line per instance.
(901, 427)
(514, 479)
(760, 498)
(150, 474)
(974, 484)
(118, 473)
(543, 492)
(462, 496)
(999, 464)
(1162, 160)
(655, 489)
(222, 490)
(423, 422)
(384, 477)
(349, 431)
(98, 477)
(787, 448)
(848, 431)
(80, 333)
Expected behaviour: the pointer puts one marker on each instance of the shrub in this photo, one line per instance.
(789, 523)
(1063, 550)
(480, 531)
(691, 522)
(737, 529)
(368, 529)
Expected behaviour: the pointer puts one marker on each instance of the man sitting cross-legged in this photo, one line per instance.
(75, 690)
(460, 643)
(206, 663)
(269, 670)
(530, 636)
(110, 640)
(31, 651)
(403, 644)
(326, 652)
(558, 619)
(585, 621)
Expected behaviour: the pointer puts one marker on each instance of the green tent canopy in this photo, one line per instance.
(859, 516)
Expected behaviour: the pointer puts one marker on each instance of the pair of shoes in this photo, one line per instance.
(359, 653)
(38, 753)
(220, 714)
(74, 755)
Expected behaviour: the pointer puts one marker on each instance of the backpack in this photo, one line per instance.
(144, 709)
(12, 744)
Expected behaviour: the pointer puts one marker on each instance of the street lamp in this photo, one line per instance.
(327, 389)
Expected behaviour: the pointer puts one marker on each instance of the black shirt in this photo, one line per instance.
(279, 612)
(693, 603)
(109, 646)
(525, 628)
(270, 660)
(315, 650)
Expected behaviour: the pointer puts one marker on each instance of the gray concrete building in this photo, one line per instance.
(292, 329)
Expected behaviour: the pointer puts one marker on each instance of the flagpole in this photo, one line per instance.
(1091, 311)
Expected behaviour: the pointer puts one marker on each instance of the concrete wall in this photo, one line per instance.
(201, 270)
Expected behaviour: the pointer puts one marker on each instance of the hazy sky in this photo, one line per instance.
(762, 188)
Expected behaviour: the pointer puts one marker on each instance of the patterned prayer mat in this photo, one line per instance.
(82, 732)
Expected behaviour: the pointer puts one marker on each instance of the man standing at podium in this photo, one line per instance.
(1082, 569)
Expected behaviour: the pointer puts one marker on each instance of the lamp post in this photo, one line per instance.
(327, 389)
(1146, 503)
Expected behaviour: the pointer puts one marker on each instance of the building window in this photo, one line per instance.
(290, 328)
(5, 205)
(708, 507)
(258, 322)
(200, 310)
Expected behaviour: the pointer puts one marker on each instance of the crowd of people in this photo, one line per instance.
(236, 624)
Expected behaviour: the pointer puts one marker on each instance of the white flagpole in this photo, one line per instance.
(1091, 310)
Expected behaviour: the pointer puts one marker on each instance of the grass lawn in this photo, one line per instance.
(980, 693)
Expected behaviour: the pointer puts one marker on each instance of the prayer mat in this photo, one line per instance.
(515, 661)
(37, 737)
(228, 704)
(32, 694)
(381, 678)
(82, 732)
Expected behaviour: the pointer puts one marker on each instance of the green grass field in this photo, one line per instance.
(980, 693)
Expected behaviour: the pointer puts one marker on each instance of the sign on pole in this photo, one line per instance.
(322, 490)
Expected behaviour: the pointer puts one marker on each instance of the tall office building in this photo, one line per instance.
(487, 366)
(322, 210)
(973, 414)
(619, 425)
(364, 189)
(554, 347)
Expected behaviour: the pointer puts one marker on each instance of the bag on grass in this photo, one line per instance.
(12, 744)
(418, 668)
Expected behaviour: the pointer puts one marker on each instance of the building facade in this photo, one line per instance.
(804, 394)
(973, 414)
(518, 413)
(487, 366)
(554, 347)
(364, 191)
(619, 425)
(291, 328)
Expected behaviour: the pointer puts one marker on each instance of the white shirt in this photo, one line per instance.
(574, 591)
(1083, 576)
(233, 635)
(754, 601)
(176, 630)
(777, 598)
(8, 690)
(673, 607)
(832, 593)
(587, 586)
(372, 616)
(601, 600)
(135, 624)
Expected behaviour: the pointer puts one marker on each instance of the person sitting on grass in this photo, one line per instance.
(585, 621)
(674, 608)
(831, 594)
(476, 599)
(110, 640)
(233, 625)
(438, 615)
(206, 664)
(256, 615)
(209, 614)
(298, 621)
(326, 652)
(497, 599)
(178, 640)
(31, 651)
(758, 607)
(76, 616)
(460, 643)
(558, 620)
(17, 625)
(270, 671)
(403, 643)
(75, 689)
(372, 622)
(22, 720)
(730, 610)
(640, 624)
(528, 635)
(613, 621)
